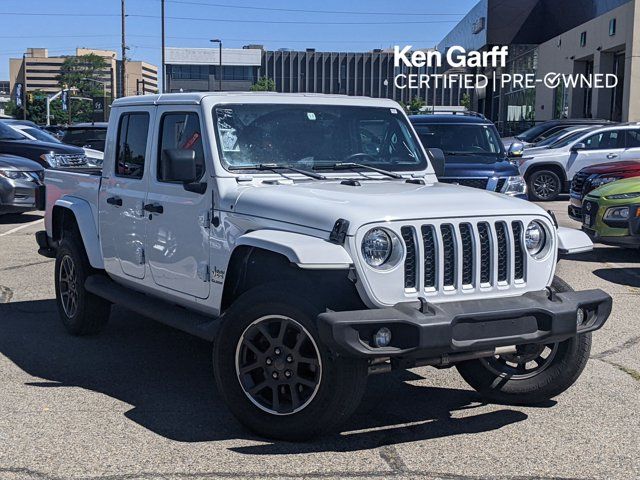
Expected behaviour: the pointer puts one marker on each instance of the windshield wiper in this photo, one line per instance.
(277, 168)
(353, 166)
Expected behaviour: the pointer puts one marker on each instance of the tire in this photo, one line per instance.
(544, 186)
(501, 382)
(333, 388)
(90, 313)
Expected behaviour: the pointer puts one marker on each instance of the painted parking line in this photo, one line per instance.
(17, 229)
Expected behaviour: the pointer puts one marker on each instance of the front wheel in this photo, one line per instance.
(532, 375)
(544, 186)
(275, 375)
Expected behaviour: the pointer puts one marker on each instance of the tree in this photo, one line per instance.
(416, 105)
(264, 84)
(78, 71)
(465, 101)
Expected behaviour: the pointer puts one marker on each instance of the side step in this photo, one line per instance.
(164, 312)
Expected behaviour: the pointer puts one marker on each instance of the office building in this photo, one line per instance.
(564, 37)
(42, 72)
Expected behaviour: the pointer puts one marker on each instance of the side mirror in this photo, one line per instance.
(178, 165)
(438, 161)
(515, 150)
(578, 147)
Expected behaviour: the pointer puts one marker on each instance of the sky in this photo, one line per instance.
(330, 25)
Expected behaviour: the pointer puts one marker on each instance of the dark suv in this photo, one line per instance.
(474, 153)
(47, 154)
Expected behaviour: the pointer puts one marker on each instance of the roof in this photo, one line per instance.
(436, 118)
(250, 97)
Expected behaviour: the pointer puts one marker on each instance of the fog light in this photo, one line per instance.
(580, 316)
(382, 338)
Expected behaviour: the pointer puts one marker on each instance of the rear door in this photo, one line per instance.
(122, 194)
(632, 152)
(602, 147)
(178, 237)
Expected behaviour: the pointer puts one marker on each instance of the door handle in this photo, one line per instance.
(153, 208)
(117, 201)
(612, 155)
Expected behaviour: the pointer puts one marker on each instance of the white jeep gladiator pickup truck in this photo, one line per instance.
(308, 238)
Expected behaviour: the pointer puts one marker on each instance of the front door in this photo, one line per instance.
(178, 228)
(122, 195)
(602, 147)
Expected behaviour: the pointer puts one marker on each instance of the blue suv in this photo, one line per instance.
(474, 154)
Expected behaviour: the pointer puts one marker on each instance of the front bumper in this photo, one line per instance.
(429, 331)
(17, 196)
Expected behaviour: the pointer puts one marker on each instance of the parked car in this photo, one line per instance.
(87, 135)
(559, 136)
(47, 154)
(309, 239)
(474, 154)
(34, 132)
(595, 176)
(543, 130)
(549, 172)
(19, 182)
(611, 213)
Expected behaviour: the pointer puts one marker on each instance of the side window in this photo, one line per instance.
(180, 131)
(633, 139)
(605, 140)
(132, 144)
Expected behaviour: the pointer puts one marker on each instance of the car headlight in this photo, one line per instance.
(11, 174)
(514, 186)
(623, 196)
(616, 213)
(599, 181)
(535, 238)
(381, 249)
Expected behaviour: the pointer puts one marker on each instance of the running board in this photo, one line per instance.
(154, 308)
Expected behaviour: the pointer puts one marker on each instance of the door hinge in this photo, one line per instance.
(204, 273)
(140, 255)
(204, 219)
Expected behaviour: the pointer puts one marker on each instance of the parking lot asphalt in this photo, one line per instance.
(138, 401)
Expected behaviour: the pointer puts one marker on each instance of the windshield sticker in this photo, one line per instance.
(311, 115)
(394, 111)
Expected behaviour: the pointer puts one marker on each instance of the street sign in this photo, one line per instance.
(19, 92)
(65, 100)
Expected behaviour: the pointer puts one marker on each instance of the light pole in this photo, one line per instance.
(219, 42)
(164, 75)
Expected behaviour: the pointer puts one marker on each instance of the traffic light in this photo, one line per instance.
(30, 97)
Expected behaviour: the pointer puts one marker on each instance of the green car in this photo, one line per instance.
(611, 213)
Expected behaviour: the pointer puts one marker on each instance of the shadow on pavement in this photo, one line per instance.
(166, 376)
(15, 219)
(628, 277)
(604, 254)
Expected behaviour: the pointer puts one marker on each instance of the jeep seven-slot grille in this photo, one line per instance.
(410, 264)
(503, 259)
(518, 256)
(485, 253)
(430, 258)
(460, 256)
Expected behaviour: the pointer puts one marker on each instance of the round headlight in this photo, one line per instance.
(376, 247)
(535, 238)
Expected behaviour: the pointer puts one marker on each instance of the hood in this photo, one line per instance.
(625, 168)
(319, 204)
(628, 185)
(11, 162)
(467, 166)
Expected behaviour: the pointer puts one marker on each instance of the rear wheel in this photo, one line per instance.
(275, 375)
(544, 186)
(532, 375)
(81, 312)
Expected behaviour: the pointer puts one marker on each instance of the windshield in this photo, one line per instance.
(533, 133)
(462, 139)
(40, 135)
(313, 136)
(568, 139)
(8, 133)
(555, 137)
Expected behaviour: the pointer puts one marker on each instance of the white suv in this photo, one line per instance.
(549, 171)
